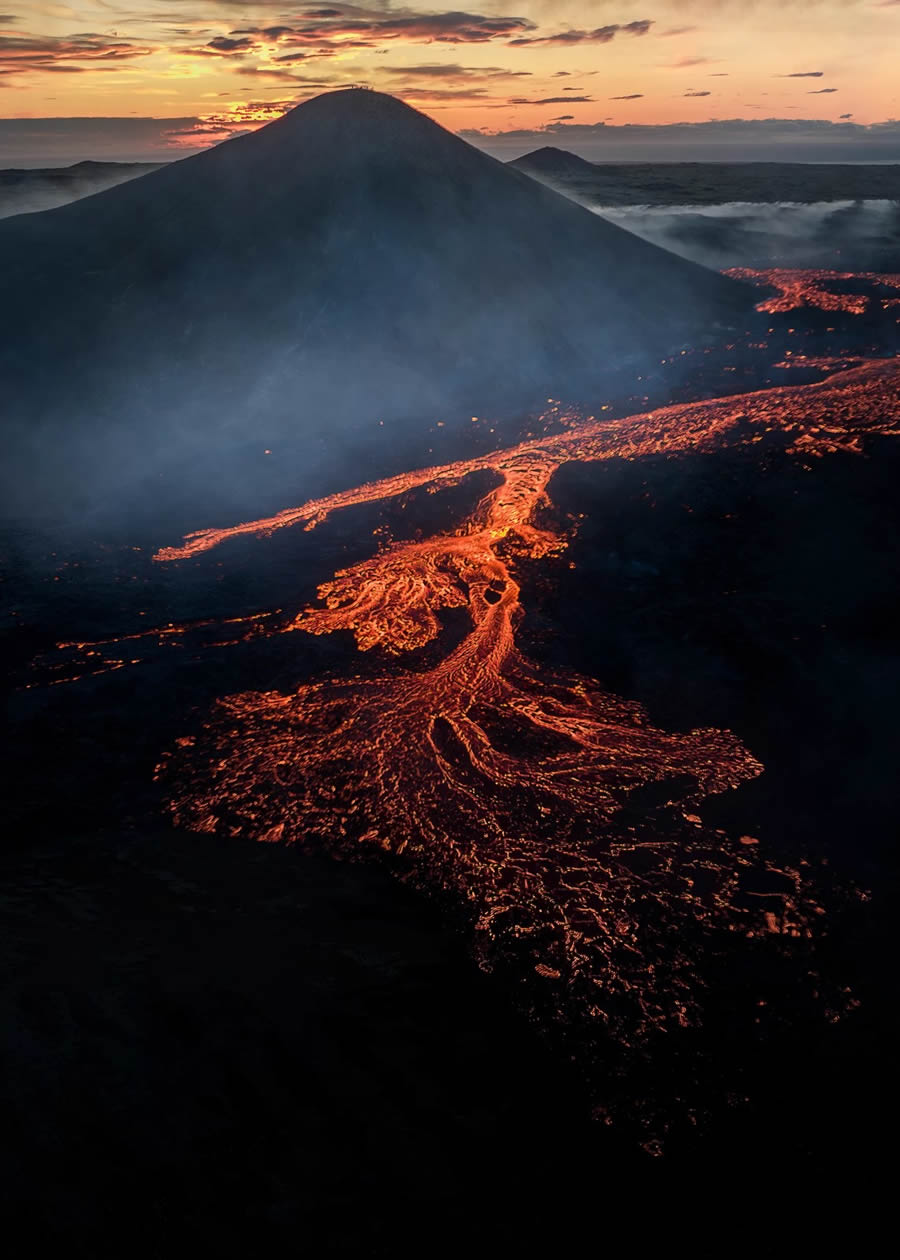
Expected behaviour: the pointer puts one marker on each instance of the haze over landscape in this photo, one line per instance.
(449, 551)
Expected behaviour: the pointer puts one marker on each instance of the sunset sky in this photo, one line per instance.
(143, 78)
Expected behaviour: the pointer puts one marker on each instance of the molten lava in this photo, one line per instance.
(808, 288)
(565, 825)
(518, 791)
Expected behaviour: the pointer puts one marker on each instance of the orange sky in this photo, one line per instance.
(216, 65)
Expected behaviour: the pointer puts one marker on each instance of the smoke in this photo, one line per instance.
(860, 235)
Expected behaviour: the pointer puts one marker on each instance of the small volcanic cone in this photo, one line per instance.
(551, 164)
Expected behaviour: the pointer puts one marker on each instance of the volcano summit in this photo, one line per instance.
(350, 262)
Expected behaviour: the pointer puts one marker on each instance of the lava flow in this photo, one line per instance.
(796, 289)
(523, 794)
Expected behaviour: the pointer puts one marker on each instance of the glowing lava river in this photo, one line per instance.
(513, 791)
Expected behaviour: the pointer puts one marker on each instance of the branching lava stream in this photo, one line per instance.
(556, 814)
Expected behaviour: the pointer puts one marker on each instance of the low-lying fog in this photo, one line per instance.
(849, 234)
(852, 235)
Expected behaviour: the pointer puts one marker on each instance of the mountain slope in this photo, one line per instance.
(351, 260)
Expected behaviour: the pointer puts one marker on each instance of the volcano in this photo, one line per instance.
(348, 263)
(552, 164)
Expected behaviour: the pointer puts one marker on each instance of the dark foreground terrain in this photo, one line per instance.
(235, 1044)
(233, 1049)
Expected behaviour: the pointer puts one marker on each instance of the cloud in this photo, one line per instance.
(600, 35)
(685, 63)
(294, 58)
(435, 84)
(698, 93)
(269, 52)
(782, 233)
(346, 26)
(850, 115)
(821, 92)
(802, 74)
(271, 74)
(437, 70)
(199, 133)
(678, 30)
(222, 43)
(65, 54)
(551, 100)
(52, 141)
(428, 95)
(224, 46)
(564, 118)
(756, 139)
(635, 96)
